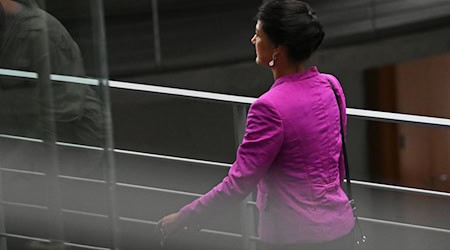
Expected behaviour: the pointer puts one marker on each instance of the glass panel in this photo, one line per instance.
(57, 168)
(408, 155)
(174, 126)
(403, 155)
(403, 88)
(53, 116)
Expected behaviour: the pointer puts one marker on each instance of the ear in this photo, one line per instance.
(280, 50)
(276, 49)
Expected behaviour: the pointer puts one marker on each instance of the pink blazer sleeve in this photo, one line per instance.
(262, 141)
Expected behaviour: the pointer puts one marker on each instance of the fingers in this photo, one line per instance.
(162, 233)
(158, 227)
(167, 226)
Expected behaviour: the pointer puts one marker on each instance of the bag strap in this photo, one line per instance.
(347, 169)
(344, 146)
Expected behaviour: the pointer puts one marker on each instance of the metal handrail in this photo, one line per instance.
(174, 158)
(352, 112)
(398, 117)
(401, 188)
(208, 163)
(23, 237)
(135, 220)
(251, 203)
(358, 113)
(254, 238)
(355, 182)
(400, 224)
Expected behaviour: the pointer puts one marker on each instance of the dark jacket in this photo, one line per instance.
(34, 41)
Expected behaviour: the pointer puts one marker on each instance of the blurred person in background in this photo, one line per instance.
(30, 39)
(292, 147)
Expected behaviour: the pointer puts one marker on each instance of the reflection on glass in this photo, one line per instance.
(30, 40)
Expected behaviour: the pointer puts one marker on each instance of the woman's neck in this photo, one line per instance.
(281, 70)
(11, 7)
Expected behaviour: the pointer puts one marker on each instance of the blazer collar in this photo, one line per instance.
(310, 72)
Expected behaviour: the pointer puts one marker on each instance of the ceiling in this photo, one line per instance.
(197, 33)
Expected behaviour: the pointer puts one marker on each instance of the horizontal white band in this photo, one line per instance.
(54, 77)
(397, 117)
(401, 189)
(182, 92)
(366, 114)
(400, 224)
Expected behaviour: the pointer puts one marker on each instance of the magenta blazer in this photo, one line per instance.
(292, 152)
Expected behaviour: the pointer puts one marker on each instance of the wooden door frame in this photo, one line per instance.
(383, 137)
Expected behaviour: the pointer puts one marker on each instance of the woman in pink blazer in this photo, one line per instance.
(292, 148)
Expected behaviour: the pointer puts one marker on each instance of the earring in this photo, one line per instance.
(272, 62)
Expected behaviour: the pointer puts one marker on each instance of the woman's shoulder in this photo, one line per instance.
(265, 99)
(277, 98)
(329, 77)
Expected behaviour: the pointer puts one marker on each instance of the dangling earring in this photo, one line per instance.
(272, 62)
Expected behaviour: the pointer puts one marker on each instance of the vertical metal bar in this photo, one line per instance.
(372, 14)
(101, 60)
(247, 216)
(3, 243)
(55, 216)
(156, 34)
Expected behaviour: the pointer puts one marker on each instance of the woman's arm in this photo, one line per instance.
(262, 141)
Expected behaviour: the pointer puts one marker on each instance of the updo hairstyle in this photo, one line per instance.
(293, 24)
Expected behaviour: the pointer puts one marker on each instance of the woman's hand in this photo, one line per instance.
(168, 225)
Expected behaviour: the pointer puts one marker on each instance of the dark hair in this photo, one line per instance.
(291, 23)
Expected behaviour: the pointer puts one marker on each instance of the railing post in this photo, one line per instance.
(3, 243)
(103, 76)
(247, 216)
(156, 34)
(48, 129)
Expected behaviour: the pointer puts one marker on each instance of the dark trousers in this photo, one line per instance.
(342, 243)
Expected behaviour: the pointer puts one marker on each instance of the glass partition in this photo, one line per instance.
(55, 132)
(66, 182)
